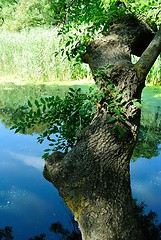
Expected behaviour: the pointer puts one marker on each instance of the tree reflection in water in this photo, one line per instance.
(148, 222)
(147, 147)
(150, 133)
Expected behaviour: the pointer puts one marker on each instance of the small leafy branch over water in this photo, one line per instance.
(63, 117)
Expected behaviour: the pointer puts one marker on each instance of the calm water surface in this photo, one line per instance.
(146, 182)
(28, 202)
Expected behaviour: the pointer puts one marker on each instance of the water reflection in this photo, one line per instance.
(146, 182)
(32, 161)
(146, 161)
(28, 202)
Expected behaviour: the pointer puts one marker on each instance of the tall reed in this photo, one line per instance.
(154, 76)
(29, 56)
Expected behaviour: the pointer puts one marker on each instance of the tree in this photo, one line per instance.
(93, 177)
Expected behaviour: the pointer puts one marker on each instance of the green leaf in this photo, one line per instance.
(38, 112)
(29, 104)
(18, 130)
(47, 150)
(44, 108)
(30, 113)
(42, 100)
(37, 103)
(72, 90)
(45, 155)
(137, 104)
(118, 112)
(68, 43)
(112, 119)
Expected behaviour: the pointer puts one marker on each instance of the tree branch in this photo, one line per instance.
(149, 56)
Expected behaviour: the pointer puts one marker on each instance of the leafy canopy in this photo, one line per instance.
(82, 21)
(67, 13)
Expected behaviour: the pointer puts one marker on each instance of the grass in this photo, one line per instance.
(28, 56)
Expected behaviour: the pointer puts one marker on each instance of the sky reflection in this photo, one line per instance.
(28, 160)
(146, 182)
(28, 202)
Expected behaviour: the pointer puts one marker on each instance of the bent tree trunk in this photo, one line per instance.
(93, 178)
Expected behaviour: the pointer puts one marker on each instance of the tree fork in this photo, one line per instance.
(94, 177)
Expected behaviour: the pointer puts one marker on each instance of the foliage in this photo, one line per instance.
(40, 237)
(149, 136)
(21, 14)
(65, 117)
(29, 54)
(87, 20)
(154, 76)
(148, 222)
(6, 233)
(58, 228)
(95, 15)
(114, 102)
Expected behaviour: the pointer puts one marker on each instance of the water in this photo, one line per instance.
(28, 202)
(146, 183)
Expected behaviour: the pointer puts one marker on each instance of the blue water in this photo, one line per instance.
(28, 202)
(146, 182)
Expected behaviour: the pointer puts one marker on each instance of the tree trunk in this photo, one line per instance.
(94, 177)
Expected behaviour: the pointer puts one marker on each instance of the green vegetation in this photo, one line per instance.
(28, 56)
(64, 118)
(150, 131)
(29, 36)
(154, 76)
(38, 38)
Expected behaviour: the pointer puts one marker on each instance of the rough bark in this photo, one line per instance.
(93, 178)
